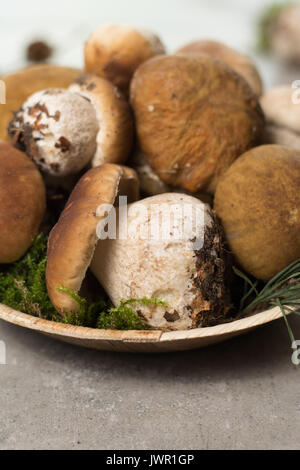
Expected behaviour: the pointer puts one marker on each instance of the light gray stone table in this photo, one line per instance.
(241, 394)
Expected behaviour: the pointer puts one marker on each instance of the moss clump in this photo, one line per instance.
(124, 317)
(23, 287)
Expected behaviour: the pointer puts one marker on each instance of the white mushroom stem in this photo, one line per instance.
(157, 254)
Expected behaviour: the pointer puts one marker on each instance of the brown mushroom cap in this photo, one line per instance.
(282, 116)
(115, 136)
(22, 202)
(73, 239)
(280, 109)
(258, 202)
(115, 51)
(241, 63)
(20, 85)
(194, 117)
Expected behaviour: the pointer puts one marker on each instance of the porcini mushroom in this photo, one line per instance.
(194, 117)
(23, 203)
(258, 202)
(282, 116)
(187, 272)
(115, 51)
(73, 239)
(241, 63)
(23, 83)
(115, 136)
(64, 130)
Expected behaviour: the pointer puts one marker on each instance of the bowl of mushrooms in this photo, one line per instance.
(150, 203)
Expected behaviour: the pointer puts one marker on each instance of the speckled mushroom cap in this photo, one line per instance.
(115, 51)
(22, 202)
(23, 83)
(241, 63)
(282, 116)
(57, 129)
(115, 135)
(73, 239)
(194, 117)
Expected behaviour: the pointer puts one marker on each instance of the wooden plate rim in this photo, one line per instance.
(79, 332)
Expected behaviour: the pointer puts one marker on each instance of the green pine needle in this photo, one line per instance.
(283, 291)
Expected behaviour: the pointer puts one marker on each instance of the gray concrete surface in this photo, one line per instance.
(242, 394)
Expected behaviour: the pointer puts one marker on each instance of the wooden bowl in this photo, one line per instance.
(139, 341)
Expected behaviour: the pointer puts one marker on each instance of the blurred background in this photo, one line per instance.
(66, 24)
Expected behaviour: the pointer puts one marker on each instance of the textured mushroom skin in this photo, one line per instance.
(57, 129)
(23, 83)
(22, 203)
(191, 280)
(116, 128)
(241, 63)
(73, 239)
(258, 202)
(115, 51)
(194, 117)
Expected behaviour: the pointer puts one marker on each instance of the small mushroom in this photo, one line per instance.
(280, 33)
(193, 123)
(282, 117)
(23, 203)
(115, 51)
(188, 273)
(115, 136)
(64, 130)
(241, 63)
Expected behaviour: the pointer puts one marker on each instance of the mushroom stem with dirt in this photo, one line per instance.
(184, 264)
(65, 130)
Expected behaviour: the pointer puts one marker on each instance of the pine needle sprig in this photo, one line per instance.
(282, 291)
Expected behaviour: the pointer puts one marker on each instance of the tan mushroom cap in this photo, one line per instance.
(23, 83)
(115, 136)
(241, 63)
(280, 109)
(22, 202)
(194, 117)
(115, 51)
(73, 240)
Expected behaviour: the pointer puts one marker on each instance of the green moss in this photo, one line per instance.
(23, 287)
(124, 317)
(268, 17)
